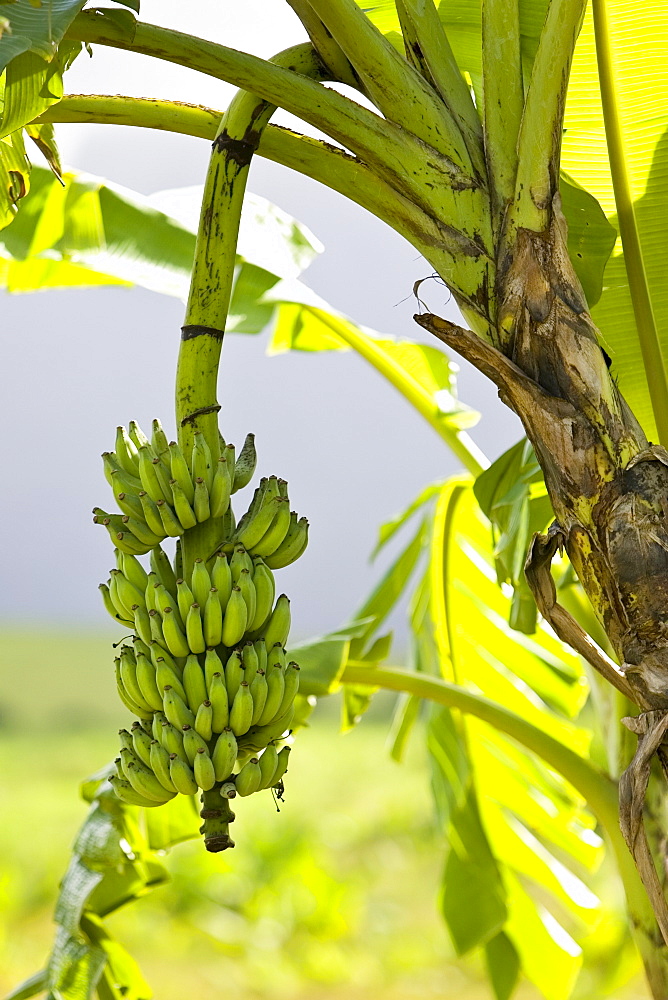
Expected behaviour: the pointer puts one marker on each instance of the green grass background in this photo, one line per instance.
(334, 897)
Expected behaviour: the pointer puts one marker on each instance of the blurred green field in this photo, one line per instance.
(335, 897)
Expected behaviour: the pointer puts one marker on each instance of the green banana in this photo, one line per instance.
(251, 533)
(156, 626)
(166, 676)
(265, 591)
(141, 532)
(146, 679)
(135, 572)
(171, 739)
(159, 439)
(164, 600)
(281, 766)
(262, 655)
(170, 523)
(200, 582)
(158, 652)
(202, 466)
(275, 534)
(182, 776)
(163, 475)
(141, 742)
(111, 607)
(212, 665)
(203, 767)
(247, 588)
(145, 782)
(249, 778)
(137, 435)
(131, 705)
(278, 626)
(224, 755)
(126, 452)
(221, 578)
(194, 630)
(234, 674)
(218, 699)
(291, 678)
(268, 763)
(201, 504)
(244, 466)
(127, 794)
(213, 619)
(141, 647)
(177, 643)
(239, 562)
(204, 720)
(182, 509)
(157, 723)
(277, 655)
(163, 569)
(126, 741)
(185, 598)
(259, 691)
(128, 672)
(159, 759)
(148, 473)
(176, 709)
(122, 608)
(235, 620)
(241, 712)
(129, 503)
(127, 592)
(111, 465)
(220, 489)
(275, 692)
(292, 546)
(194, 683)
(151, 513)
(250, 661)
(180, 471)
(192, 742)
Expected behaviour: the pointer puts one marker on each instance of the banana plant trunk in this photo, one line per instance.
(609, 490)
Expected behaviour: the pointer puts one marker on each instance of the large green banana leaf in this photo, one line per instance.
(521, 844)
(639, 41)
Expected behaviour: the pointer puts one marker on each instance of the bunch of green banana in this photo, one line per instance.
(206, 673)
(163, 493)
(227, 599)
(202, 718)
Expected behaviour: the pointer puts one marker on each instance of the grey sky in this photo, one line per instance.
(75, 364)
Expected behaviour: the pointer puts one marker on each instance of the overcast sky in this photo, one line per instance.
(75, 364)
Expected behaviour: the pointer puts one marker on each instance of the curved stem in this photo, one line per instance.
(598, 790)
(648, 335)
(327, 164)
(213, 276)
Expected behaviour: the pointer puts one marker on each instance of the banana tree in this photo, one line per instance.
(504, 141)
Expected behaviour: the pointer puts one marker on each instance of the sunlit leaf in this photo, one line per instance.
(639, 41)
(321, 663)
(36, 29)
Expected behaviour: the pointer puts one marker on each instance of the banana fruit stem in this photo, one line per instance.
(217, 816)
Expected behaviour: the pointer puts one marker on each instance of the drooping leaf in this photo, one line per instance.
(503, 965)
(495, 801)
(512, 494)
(87, 232)
(591, 238)
(321, 663)
(37, 29)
